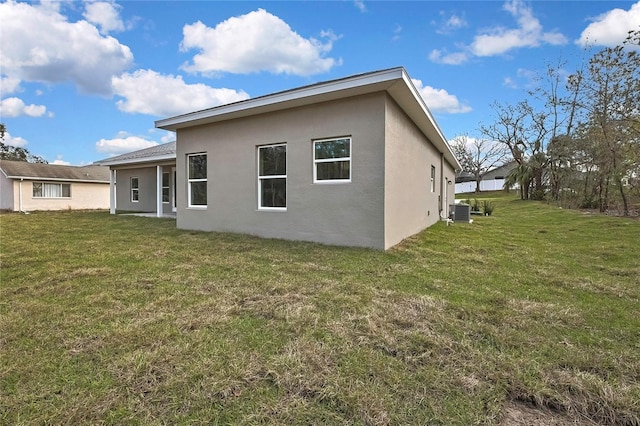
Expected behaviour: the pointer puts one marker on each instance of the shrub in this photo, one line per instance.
(475, 206)
(487, 207)
(537, 195)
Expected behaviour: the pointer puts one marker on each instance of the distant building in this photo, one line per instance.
(35, 186)
(493, 180)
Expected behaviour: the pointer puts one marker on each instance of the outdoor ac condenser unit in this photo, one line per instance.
(461, 212)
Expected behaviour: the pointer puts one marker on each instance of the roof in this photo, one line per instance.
(500, 171)
(156, 153)
(56, 172)
(395, 81)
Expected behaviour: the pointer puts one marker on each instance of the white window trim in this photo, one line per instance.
(52, 198)
(168, 187)
(134, 189)
(261, 178)
(189, 181)
(331, 160)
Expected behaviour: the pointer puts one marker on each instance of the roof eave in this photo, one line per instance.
(156, 159)
(404, 93)
(43, 178)
(361, 84)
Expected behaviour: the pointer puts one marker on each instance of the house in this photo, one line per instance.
(358, 161)
(492, 180)
(35, 186)
(147, 180)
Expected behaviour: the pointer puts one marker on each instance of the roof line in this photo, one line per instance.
(55, 179)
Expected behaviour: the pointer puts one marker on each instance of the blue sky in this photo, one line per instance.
(83, 81)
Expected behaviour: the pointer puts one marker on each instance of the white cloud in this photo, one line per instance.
(122, 144)
(529, 33)
(60, 161)
(510, 83)
(360, 5)
(396, 33)
(611, 28)
(439, 100)
(268, 44)
(148, 92)
(442, 57)
(500, 40)
(9, 85)
(105, 15)
(15, 107)
(16, 141)
(450, 24)
(54, 50)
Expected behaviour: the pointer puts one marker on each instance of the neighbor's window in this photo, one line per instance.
(197, 180)
(332, 160)
(433, 178)
(135, 190)
(165, 187)
(272, 177)
(51, 190)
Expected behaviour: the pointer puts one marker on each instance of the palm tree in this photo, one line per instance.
(521, 176)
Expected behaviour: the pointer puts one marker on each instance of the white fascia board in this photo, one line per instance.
(143, 160)
(331, 90)
(428, 124)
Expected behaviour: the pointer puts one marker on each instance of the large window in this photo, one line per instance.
(433, 178)
(135, 190)
(197, 180)
(332, 160)
(272, 177)
(51, 190)
(165, 187)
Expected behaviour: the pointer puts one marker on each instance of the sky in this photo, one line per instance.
(82, 81)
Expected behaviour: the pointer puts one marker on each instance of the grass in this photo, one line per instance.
(126, 320)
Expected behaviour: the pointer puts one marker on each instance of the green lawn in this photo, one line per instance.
(126, 320)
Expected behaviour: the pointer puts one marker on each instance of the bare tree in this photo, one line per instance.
(478, 156)
(611, 89)
(523, 131)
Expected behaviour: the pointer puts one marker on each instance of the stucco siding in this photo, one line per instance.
(84, 196)
(410, 205)
(6, 193)
(147, 189)
(340, 213)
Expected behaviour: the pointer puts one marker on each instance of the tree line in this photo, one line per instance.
(576, 139)
(16, 153)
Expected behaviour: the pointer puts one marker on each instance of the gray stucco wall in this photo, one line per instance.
(6, 194)
(146, 193)
(340, 213)
(147, 188)
(410, 205)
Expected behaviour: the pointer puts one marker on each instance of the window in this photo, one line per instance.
(433, 178)
(135, 190)
(272, 177)
(51, 190)
(197, 180)
(165, 187)
(332, 160)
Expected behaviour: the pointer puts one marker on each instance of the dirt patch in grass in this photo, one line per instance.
(521, 414)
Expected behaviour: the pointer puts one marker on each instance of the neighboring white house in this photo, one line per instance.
(358, 161)
(493, 180)
(35, 186)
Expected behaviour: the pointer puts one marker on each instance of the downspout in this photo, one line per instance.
(20, 209)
